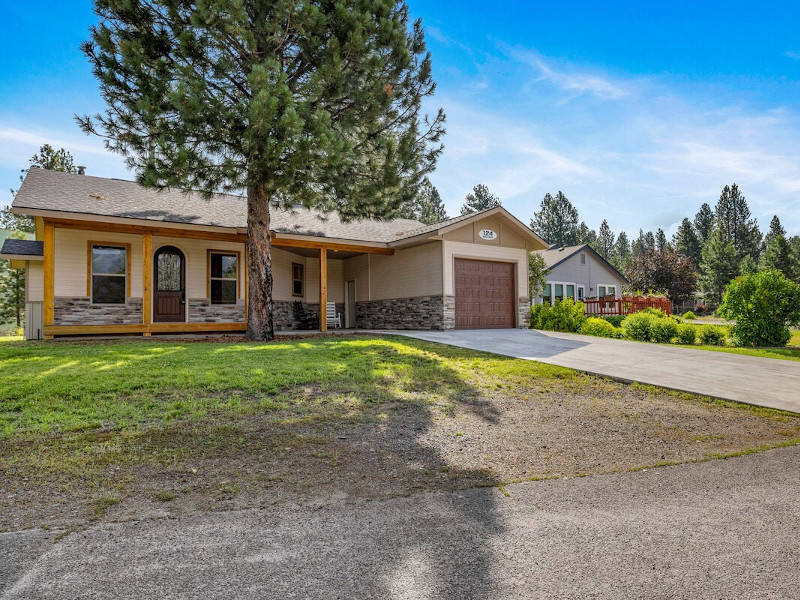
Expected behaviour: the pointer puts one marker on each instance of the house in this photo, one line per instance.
(112, 257)
(578, 272)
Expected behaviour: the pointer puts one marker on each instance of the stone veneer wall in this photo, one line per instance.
(81, 311)
(202, 311)
(524, 313)
(449, 316)
(425, 312)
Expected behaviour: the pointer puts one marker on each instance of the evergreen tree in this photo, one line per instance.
(719, 266)
(47, 158)
(661, 240)
(428, 207)
(605, 241)
(775, 229)
(644, 243)
(703, 223)
(732, 218)
(12, 291)
(557, 221)
(317, 103)
(587, 236)
(622, 252)
(779, 257)
(687, 244)
(480, 198)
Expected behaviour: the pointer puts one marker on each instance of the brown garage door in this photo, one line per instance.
(484, 294)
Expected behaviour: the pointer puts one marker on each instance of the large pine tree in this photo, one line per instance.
(622, 252)
(428, 207)
(704, 222)
(719, 266)
(605, 241)
(309, 102)
(557, 221)
(732, 218)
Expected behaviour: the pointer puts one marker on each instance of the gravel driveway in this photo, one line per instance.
(762, 381)
(719, 529)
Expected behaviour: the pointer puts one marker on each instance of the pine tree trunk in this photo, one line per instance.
(260, 326)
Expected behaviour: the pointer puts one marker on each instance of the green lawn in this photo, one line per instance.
(129, 427)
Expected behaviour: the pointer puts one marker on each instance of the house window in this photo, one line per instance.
(611, 290)
(606, 290)
(583, 259)
(297, 279)
(224, 277)
(571, 291)
(109, 276)
(546, 291)
(558, 292)
(581, 293)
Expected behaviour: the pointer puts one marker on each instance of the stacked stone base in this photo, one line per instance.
(424, 312)
(202, 311)
(524, 319)
(81, 311)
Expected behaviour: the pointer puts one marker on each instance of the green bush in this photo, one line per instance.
(599, 328)
(655, 312)
(663, 330)
(536, 315)
(566, 315)
(637, 326)
(711, 335)
(689, 315)
(615, 320)
(764, 306)
(687, 334)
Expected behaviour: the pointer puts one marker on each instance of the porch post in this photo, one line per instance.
(49, 275)
(323, 290)
(147, 282)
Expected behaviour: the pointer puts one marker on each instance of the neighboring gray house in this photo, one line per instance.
(578, 272)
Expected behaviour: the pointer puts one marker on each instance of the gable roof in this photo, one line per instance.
(73, 195)
(68, 195)
(555, 255)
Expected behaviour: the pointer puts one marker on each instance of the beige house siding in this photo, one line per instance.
(409, 273)
(196, 253)
(71, 252)
(335, 282)
(506, 234)
(357, 268)
(34, 281)
(453, 250)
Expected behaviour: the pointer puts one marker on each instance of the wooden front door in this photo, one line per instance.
(169, 296)
(484, 294)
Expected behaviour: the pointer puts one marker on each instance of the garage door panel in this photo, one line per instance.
(484, 294)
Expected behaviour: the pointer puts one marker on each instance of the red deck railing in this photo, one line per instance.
(625, 306)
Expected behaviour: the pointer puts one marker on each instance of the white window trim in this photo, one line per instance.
(616, 287)
(553, 285)
(578, 295)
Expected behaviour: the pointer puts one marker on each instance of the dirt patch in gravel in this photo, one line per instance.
(485, 437)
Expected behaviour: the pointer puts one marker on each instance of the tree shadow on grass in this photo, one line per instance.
(321, 423)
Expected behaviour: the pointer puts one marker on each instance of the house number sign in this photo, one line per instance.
(487, 234)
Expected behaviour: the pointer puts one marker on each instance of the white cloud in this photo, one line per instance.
(793, 54)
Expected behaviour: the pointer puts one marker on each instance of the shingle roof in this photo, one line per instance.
(84, 194)
(554, 256)
(22, 247)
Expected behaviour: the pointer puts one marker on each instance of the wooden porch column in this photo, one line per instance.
(49, 275)
(147, 281)
(323, 290)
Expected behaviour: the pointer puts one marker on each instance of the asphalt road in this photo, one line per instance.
(761, 381)
(720, 529)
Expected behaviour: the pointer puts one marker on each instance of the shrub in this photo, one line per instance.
(615, 320)
(656, 312)
(637, 326)
(663, 330)
(536, 315)
(689, 315)
(599, 328)
(711, 335)
(687, 334)
(764, 306)
(566, 315)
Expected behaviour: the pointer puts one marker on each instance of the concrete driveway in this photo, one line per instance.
(762, 381)
(720, 529)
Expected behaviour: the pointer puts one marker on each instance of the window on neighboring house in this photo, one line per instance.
(558, 292)
(606, 290)
(583, 259)
(611, 290)
(571, 291)
(546, 291)
(581, 292)
(109, 274)
(224, 277)
(297, 279)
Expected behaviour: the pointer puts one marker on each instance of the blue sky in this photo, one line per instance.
(637, 111)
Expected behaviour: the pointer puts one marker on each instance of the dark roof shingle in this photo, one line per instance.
(22, 247)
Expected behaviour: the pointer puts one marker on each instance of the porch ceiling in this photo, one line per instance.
(314, 252)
